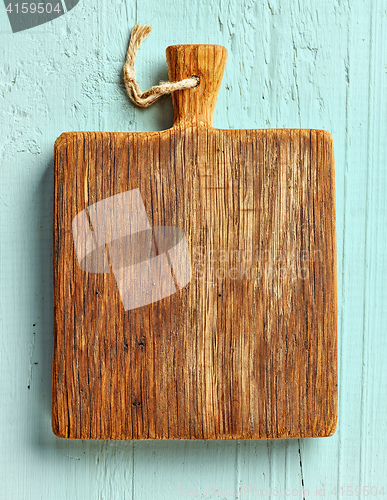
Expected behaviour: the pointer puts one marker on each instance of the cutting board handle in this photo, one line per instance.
(196, 106)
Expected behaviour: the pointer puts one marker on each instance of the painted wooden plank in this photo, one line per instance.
(58, 78)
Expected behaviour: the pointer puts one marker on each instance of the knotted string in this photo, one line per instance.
(145, 99)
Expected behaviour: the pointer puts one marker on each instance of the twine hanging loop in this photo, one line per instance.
(145, 99)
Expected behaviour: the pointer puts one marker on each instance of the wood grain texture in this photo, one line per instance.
(307, 64)
(248, 349)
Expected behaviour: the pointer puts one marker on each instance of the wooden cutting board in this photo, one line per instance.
(195, 276)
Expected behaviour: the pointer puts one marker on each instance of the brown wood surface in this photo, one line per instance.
(248, 348)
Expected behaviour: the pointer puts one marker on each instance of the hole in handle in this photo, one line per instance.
(197, 79)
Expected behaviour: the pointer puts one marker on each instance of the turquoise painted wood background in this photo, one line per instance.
(292, 63)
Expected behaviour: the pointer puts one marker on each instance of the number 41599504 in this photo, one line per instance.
(34, 8)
